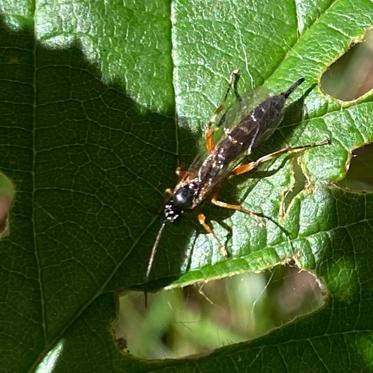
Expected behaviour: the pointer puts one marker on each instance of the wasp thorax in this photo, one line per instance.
(183, 197)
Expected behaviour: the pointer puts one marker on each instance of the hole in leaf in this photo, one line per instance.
(360, 174)
(198, 319)
(298, 185)
(6, 200)
(352, 75)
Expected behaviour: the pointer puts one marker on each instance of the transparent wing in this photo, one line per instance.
(229, 119)
(241, 108)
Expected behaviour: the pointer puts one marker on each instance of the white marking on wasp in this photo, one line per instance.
(221, 157)
(232, 139)
(252, 141)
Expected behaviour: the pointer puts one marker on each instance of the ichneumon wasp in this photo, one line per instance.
(249, 127)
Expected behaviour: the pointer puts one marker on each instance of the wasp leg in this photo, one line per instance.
(233, 80)
(168, 192)
(244, 168)
(239, 170)
(181, 172)
(257, 215)
(210, 145)
(208, 229)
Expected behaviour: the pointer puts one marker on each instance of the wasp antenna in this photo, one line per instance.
(293, 87)
(151, 260)
(154, 250)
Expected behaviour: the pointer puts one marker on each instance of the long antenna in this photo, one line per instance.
(154, 250)
(151, 259)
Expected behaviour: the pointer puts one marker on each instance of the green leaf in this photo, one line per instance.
(87, 100)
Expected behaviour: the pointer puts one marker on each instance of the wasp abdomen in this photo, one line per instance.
(252, 130)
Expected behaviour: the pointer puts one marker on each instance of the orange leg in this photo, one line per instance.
(239, 170)
(258, 216)
(242, 169)
(169, 192)
(233, 80)
(180, 172)
(210, 145)
(208, 229)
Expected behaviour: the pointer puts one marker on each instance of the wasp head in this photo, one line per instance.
(181, 200)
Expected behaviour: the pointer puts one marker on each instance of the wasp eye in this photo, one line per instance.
(183, 197)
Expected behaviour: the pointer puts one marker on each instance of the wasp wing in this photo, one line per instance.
(241, 108)
(230, 118)
(204, 166)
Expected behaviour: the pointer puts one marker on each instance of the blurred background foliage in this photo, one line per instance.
(200, 318)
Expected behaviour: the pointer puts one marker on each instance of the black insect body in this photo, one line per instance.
(224, 158)
(252, 131)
